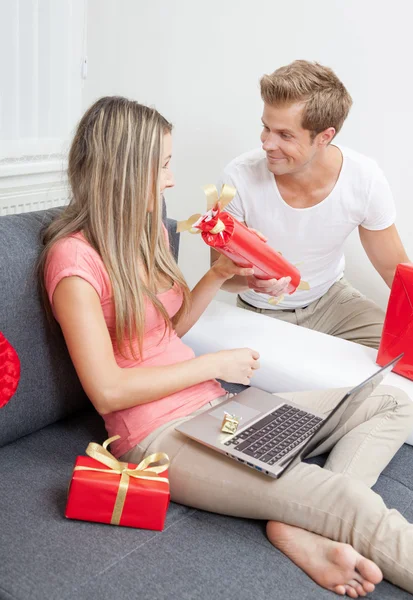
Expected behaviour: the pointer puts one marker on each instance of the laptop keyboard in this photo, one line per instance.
(276, 434)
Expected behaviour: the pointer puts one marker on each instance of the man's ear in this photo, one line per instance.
(325, 137)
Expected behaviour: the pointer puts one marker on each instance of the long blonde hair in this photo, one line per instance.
(114, 170)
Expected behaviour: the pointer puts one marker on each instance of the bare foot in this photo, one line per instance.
(334, 566)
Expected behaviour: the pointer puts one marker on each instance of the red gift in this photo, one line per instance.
(243, 246)
(398, 325)
(123, 494)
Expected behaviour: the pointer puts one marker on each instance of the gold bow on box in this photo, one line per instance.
(227, 194)
(141, 471)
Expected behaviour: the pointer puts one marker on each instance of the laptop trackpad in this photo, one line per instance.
(237, 409)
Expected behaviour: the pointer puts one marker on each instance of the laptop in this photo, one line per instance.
(274, 434)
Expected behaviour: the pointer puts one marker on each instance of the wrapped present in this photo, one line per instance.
(120, 494)
(397, 337)
(243, 246)
(229, 423)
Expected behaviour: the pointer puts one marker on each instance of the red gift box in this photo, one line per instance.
(123, 494)
(398, 325)
(245, 248)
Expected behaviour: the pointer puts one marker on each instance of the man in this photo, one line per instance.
(306, 195)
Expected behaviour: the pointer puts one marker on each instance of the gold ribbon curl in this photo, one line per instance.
(227, 194)
(141, 471)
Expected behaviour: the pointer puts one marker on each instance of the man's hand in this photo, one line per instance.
(272, 287)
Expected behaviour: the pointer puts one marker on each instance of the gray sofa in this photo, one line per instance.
(49, 421)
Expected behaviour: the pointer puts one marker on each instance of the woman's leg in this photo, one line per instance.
(369, 432)
(327, 503)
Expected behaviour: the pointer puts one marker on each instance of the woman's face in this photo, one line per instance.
(167, 178)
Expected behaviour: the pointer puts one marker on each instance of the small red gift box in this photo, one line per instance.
(123, 494)
(398, 325)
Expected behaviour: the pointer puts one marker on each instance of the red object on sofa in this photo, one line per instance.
(95, 489)
(245, 248)
(398, 325)
(9, 371)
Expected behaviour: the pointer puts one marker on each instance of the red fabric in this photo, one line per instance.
(9, 371)
(398, 325)
(92, 496)
(246, 249)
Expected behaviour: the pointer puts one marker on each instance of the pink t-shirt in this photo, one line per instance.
(74, 256)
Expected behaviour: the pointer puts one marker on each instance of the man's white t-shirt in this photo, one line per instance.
(310, 238)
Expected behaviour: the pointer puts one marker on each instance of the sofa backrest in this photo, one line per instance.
(49, 389)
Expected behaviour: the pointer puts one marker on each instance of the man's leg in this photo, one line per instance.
(344, 312)
(330, 504)
(289, 316)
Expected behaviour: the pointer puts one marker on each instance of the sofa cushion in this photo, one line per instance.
(49, 389)
(197, 556)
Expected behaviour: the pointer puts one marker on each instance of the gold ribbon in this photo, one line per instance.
(142, 471)
(219, 227)
(227, 194)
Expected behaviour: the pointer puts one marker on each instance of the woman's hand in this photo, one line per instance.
(236, 366)
(225, 269)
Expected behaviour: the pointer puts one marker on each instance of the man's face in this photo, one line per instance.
(288, 146)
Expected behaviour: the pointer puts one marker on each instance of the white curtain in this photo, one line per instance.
(43, 48)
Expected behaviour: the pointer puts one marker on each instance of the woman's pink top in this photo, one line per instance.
(74, 256)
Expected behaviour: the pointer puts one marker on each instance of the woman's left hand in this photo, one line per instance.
(225, 269)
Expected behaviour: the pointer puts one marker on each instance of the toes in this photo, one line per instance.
(368, 586)
(350, 591)
(360, 590)
(356, 583)
(340, 590)
(369, 570)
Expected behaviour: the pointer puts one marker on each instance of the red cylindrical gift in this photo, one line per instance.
(245, 248)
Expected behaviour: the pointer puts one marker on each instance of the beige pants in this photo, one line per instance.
(335, 501)
(343, 312)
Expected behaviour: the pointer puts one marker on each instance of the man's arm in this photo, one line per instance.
(384, 249)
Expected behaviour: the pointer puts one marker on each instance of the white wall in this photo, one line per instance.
(199, 63)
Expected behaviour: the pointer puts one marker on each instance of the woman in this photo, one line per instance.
(123, 305)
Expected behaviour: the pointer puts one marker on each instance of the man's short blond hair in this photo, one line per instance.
(326, 100)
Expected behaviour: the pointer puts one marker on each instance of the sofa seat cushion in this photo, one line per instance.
(198, 555)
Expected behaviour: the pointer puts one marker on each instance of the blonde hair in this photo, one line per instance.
(114, 170)
(326, 100)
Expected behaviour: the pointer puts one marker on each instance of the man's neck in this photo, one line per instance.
(312, 184)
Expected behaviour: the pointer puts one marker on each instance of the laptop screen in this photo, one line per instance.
(347, 406)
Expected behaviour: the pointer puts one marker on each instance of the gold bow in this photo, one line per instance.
(211, 192)
(142, 471)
